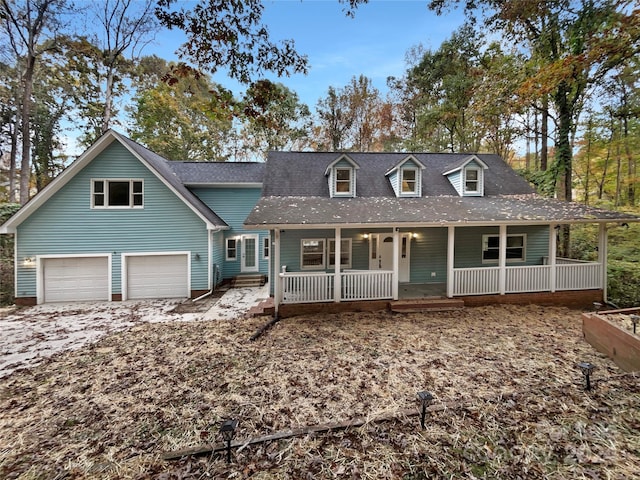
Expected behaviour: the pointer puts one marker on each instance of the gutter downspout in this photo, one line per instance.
(212, 281)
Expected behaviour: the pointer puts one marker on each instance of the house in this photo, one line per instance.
(364, 227)
(121, 222)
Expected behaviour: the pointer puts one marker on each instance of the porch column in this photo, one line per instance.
(553, 253)
(337, 280)
(277, 281)
(396, 262)
(502, 260)
(602, 258)
(450, 259)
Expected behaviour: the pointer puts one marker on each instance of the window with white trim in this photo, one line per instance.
(516, 248)
(312, 253)
(343, 181)
(232, 249)
(409, 181)
(471, 180)
(345, 253)
(117, 193)
(266, 246)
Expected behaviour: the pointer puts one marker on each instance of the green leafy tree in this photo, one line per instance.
(189, 119)
(274, 118)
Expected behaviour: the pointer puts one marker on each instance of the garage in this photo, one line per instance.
(75, 279)
(157, 276)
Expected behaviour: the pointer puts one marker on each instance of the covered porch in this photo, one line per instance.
(549, 273)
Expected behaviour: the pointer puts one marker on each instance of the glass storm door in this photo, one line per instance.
(250, 253)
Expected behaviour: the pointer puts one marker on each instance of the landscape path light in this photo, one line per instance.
(597, 306)
(587, 368)
(634, 319)
(425, 399)
(228, 431)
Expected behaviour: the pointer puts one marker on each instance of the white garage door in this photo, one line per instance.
(75, 279)
(157, 276)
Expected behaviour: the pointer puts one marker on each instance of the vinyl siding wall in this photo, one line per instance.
(67, 224)
(233, 205)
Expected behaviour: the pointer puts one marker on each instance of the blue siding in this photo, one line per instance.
(429, 255)
(468, 245)
(66, 223)
(456, 180)
(233, 204)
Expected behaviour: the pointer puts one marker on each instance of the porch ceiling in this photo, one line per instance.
(443, 210)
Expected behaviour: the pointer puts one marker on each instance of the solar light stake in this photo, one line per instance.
(425, 399)
(597, 306)
(228, 431)
(634, 319)
(587, 368)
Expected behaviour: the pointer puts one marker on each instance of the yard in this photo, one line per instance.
(514, 397)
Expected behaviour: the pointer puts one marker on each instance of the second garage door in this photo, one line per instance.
(74, 279)
(157, 276)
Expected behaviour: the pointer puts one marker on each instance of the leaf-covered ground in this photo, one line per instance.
(516, 407)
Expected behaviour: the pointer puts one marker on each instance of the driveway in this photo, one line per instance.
(30, 335)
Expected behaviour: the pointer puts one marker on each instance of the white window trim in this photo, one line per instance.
(416, 181)
(227, 248)
(478, 181)
(266, 247)
(485, 241)
(331, 266)
(324, 254)
(105, 193)
(349, 193)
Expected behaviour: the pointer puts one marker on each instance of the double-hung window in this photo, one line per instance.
(232, 249)
(345, 253)
(312, 254)
(471, 180)
(409, 181)
(516, 248)
(117, 193)
(266, 246)
(343, 181)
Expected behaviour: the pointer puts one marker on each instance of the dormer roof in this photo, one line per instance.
(338, 160)
(400, 164)
(463, 162)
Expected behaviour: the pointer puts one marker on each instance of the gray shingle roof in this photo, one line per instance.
(199, 173)
(296, 192)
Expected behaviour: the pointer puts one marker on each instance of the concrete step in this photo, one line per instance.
(244, 281)
(426, 305)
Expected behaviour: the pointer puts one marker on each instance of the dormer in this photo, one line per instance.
(341, 175)
(406, 177)
(467, 176)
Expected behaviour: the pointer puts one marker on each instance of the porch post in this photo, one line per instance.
(602, 258)
(277, 281)
(553, 253)
(396, 262)
(337, 280)
(450, 259)
(502, 260)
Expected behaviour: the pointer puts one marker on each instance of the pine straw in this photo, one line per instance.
(111, 409)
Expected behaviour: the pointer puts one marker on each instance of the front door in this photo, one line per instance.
(249, 253)
(381, 254)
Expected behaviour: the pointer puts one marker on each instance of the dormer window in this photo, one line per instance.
(406, 177)
(471, 180)
(343, 181)
(341, 175)
(409, 181)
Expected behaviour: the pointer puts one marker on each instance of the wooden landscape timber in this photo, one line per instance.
(606, 336)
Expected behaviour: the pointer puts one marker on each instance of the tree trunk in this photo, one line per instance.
(108, 101)
(544, 134)
(12, 160)
(25, 165)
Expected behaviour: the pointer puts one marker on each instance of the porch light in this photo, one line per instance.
(587, 368)
(425, 399)
(635, 319)
(414, 235)
(365, 236)
(228, 431)
(29, 261)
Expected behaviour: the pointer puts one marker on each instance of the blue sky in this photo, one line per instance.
(374, 43)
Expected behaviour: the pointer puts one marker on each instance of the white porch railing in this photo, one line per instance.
(367, 284)
(302, 287)
(476, 281)
(570, 275)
